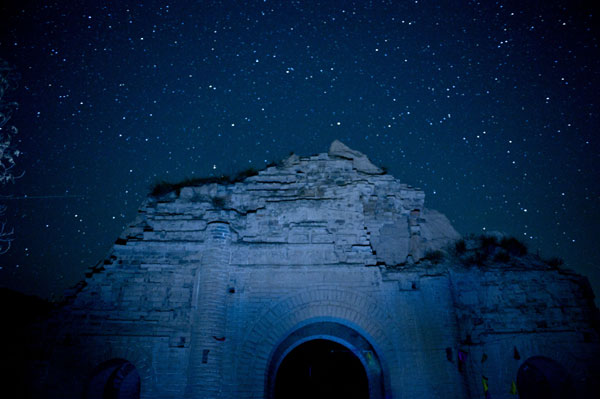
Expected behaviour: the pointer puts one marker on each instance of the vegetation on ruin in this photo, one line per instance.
(485, 250)
(554, 262)
(434, 257)
(163, 187)
(482, 249)
(488, 249)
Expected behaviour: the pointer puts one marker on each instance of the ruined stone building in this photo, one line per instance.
(318, 277)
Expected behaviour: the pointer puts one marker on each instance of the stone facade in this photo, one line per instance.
(212, 286)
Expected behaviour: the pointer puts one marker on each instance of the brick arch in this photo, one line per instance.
(320, 329)
(561, 354)
(130, 351)
(349, 308)
(116, 377)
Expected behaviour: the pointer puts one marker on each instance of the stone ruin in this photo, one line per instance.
(321, 276)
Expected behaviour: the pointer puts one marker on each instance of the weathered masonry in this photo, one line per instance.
(319, 277)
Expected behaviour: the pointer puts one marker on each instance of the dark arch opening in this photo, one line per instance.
(114, 379)
(540, 377)
(321, 369)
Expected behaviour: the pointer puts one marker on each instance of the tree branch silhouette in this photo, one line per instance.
(8, 152)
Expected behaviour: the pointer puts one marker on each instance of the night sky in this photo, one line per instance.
(490, 107)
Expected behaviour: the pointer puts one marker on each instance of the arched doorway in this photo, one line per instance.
(540, 377)
(325, 359)
(114, 379)
(321, 369)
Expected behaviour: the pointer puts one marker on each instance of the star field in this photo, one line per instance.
(490, 107)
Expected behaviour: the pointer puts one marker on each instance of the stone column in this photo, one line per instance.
(209, 321)
(415, 250)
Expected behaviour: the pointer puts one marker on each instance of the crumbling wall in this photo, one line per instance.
(508, 313)
(202, 288)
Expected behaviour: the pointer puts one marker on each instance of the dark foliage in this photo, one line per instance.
(502, 257)
(554, 262)
(163, 187)
(513, 246)
(434, 257)
(489, 249)
(488, 242)
(460, 247)
(477, 258)
(276, 164)
(244, 174)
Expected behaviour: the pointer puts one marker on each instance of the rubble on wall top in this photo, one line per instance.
(323, 162)
(359, 160)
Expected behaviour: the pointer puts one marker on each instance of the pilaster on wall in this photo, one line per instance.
(205, 372)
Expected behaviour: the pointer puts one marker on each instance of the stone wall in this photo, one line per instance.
(209, 285)
(508, 313)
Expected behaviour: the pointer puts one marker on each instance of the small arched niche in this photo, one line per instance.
(114, 379)
(325, 360)
(540, 377)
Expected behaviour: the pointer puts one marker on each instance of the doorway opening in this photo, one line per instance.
(321, 369)
(542, 378)
(114, 379)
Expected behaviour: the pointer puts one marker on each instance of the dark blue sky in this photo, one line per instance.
(490, 107)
